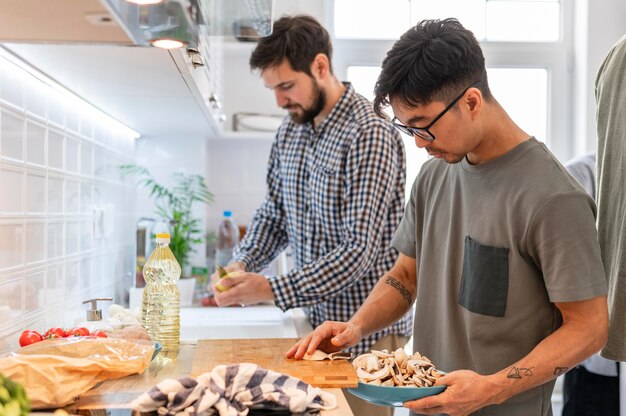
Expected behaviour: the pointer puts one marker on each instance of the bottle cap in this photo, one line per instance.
(228, 214)
(163, 238)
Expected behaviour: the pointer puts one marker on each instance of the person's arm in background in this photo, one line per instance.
(371, 171)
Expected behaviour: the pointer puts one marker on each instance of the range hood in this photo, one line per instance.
(120, 22)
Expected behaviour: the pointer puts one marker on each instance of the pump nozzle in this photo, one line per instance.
(95, 314)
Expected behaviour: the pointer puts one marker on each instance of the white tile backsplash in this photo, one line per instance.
(35, 193)
(72, 154)
(86, 202)
(72, 196)
(34, 281)
(11, 189)
(56, 150)
(48, 250)
(54, 280)
(11, 245)
(11, 288)
(35, 242)
(71, 279)
(86, 235)
(86, 159)
(87, 279)
(55, 240)
(72, 236)
(35, 143)
(55, 194)
(11, 135)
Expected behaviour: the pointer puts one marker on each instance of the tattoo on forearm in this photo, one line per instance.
(560, 370)
(519, 372)
(400, 288)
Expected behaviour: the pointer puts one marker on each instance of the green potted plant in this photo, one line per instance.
(174, 204)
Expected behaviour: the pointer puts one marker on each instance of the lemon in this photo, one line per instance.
(221, 288)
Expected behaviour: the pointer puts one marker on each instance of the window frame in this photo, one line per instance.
(555, 57)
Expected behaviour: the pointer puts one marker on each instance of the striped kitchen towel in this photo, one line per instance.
(233, 390)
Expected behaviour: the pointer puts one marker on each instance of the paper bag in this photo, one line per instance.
(56, 372)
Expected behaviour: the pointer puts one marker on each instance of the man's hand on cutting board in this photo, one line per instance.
(329, 337)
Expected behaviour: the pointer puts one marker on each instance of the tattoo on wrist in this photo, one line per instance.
(400, 288)
(519, 372)
(560, 370)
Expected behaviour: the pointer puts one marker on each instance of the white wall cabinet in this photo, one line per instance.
(200, 69)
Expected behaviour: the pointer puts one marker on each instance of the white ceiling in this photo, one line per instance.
(141, 87)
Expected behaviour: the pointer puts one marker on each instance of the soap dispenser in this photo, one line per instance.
(94, 316)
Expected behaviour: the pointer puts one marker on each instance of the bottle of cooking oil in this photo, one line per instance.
(160, 314)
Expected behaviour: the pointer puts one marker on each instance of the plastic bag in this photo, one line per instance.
(56, 372)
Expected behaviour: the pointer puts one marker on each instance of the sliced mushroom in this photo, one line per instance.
(388, 383)
(318, 355)
(396, 369)
(380, 374)
(396, 374)
(382, 354)
(400, 356)
(366, 361)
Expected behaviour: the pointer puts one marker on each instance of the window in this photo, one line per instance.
(370, 19)
(523, 93)
(526, 45)
(492, 20)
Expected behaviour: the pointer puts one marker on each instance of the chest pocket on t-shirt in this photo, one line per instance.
(485, 278)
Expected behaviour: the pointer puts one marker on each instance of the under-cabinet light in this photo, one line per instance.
(167, 43)
(66, 94)
(144, 2)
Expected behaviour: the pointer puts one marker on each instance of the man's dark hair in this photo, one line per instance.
(433, 61)
(297, 38)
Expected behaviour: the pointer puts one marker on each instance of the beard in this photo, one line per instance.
(308, 114)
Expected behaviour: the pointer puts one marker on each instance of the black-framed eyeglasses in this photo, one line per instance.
(423, 132)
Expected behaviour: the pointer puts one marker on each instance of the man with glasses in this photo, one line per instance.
(498, 245)
(335, 193)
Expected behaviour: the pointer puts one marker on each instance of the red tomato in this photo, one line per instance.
(55, 332)
(208, 301)
(29, 337)
(99, 333)
(78, 332)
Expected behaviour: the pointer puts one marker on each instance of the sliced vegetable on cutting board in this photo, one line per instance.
(270, 353)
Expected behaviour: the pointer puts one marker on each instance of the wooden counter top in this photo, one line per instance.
(117, 394)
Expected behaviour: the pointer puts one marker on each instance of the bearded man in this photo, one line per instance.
(335, 192)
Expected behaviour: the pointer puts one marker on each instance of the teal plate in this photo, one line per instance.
(393, 396)
(157, 349)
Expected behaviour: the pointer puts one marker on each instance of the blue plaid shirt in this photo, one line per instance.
(335, 194)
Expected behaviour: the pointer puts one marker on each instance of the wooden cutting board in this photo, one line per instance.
(270, 353)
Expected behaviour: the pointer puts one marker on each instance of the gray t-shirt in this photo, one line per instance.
(496, 245)
(611, 126)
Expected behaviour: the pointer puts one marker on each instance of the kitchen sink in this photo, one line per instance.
(263, 321)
